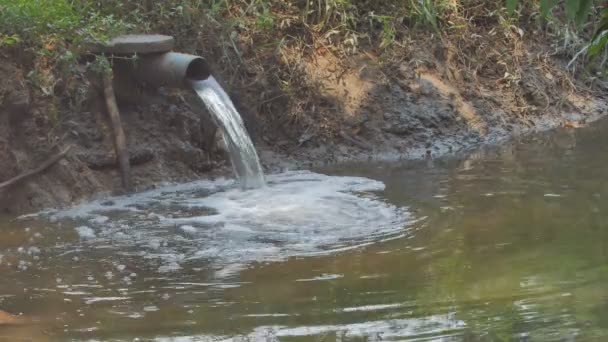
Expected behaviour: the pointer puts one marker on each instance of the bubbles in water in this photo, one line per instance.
(218, 226)
(85, 232)
(445, 326)
(188, 229)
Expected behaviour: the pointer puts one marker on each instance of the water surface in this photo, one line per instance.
(509, 243)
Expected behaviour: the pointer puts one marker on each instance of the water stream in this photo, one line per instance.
(508, 243)
(244, 158)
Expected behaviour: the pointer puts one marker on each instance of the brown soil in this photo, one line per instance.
(164, 139)
(420, 102)
(8, 319)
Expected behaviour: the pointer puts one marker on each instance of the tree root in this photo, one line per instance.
(120, 139)
(48, 163)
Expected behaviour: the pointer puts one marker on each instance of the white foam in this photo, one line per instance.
(85, 232)
(436, 327)
(367, 308)
(297, 214)
(99, 219)
(553, 195)
(322, 277)
(93, 300)
(188, 229)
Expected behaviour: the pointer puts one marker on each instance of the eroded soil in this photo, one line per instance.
(360, 107)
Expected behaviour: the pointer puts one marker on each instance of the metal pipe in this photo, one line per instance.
(170, 69)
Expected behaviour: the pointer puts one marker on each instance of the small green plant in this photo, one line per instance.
(388, 29)
(600, 39)
(100, 28)
(218, 6)
(9, 40)
(33, 21)
(426, 11)
(265, 19)
(329, 14)
(576, 10)
(32, 18)
(101, 65)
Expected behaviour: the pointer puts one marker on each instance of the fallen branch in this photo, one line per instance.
(48, 163)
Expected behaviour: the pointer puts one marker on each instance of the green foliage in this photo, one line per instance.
(31, 18)
(218, 6)
(6, 40)
(265, 18)
(576, 10)
(387, 34)
(388, 30)
(327, 14)
(68, 23)
(511, 5)
(102, 65)
(33, 21)
(545, 7)
(600, 39)
(427, 11)
(584, 8)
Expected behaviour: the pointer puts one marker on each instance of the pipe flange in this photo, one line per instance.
(130, 44)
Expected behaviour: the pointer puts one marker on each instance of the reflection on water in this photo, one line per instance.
(510, 243)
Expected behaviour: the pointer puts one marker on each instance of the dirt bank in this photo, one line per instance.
(425, 99)
(165, 141)
(434, 96)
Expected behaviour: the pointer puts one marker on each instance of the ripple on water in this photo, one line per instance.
(297, 214)
(437, 327)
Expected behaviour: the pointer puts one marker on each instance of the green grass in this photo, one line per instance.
(577, 11)
(600, 38)
(31, 18)
(341, 24)
(35, 22)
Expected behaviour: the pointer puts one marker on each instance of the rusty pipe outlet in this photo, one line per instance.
(170, 69)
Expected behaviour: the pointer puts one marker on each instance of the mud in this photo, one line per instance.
(165, 143)
(421, 107)
(420, 113)
(8, 319)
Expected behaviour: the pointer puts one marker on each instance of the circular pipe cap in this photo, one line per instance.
(135, 43)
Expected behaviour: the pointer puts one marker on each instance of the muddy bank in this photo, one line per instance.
(165, 140)
(432, 97)
(421, 113)
(354, 108)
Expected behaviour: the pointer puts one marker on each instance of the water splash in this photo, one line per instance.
(217, 225)
(243, 155)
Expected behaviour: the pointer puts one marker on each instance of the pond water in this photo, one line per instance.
(508, 243)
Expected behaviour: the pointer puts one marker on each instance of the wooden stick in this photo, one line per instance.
(120, 139)
(48, 163)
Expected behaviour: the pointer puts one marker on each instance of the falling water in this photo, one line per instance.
(243, 155)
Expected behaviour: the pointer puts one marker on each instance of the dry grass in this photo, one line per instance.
(262, 48)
